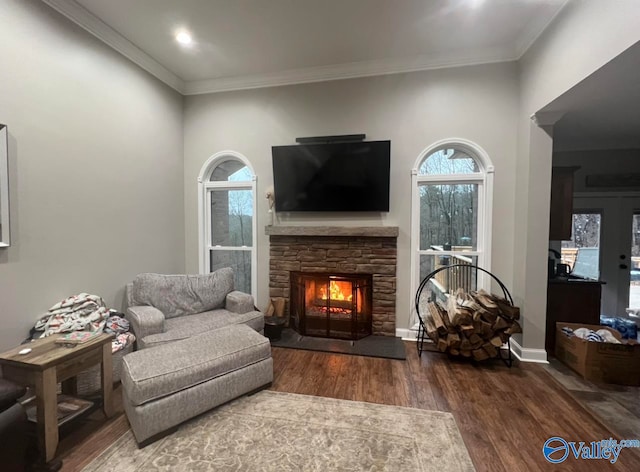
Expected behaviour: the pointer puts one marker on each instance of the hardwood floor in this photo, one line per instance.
(504, 415)
(617, 405)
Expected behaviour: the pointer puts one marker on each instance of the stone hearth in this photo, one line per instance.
(338, 250)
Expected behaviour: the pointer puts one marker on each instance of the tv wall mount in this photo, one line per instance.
(343, 138)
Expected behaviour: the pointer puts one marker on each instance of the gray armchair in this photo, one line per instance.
(166, 308)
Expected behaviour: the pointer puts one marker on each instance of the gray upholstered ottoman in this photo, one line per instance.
(168, 384)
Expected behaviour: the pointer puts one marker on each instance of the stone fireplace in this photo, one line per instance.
(361, 263)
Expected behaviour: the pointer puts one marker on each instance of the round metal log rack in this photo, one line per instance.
(422, 329)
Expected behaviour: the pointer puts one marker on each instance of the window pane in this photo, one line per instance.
(239, 261)
(231, 218)
(448, 216)
(231, 171)
(582, 252)
(448, 161)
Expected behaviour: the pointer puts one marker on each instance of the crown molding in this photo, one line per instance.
(534, 31)
(546, 118)
(351, 70)
(91, 23)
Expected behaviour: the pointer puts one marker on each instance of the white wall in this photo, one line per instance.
(585, 36)
(96, 171)
(412, 110)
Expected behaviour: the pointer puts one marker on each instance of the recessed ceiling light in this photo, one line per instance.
(184, 38)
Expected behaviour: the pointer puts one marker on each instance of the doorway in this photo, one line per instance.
(618, 248)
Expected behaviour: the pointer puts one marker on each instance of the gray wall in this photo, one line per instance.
(555, 63)
(96, 171)
(412, 110)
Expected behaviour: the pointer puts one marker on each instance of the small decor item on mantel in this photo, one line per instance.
(461, 321)
(271, 199)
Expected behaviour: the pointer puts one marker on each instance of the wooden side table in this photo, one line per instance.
(49, 363)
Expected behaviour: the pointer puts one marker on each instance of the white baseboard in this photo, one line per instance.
(406, 334)
(528, 355)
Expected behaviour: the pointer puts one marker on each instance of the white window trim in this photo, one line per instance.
(205, 187)
(484, 179)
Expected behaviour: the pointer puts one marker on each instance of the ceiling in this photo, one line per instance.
(602, 111)
(257, 43)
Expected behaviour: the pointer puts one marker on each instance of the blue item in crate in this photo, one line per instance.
(609, 321)
(632, 329)
(626, 328)
(621, 326)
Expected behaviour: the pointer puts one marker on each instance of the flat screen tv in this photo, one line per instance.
(351, 176)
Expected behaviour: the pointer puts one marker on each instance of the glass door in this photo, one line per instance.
(618, 248)
(634, 263)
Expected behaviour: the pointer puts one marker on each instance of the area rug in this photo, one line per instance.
(272, 431)
(388, 347)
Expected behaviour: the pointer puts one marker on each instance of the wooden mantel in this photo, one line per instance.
(354, 231)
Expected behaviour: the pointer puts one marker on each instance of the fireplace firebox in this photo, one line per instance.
(331, 305)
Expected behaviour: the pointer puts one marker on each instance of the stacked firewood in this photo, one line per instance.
(471, 324)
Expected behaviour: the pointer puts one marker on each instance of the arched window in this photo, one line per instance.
(451, 214)
(227, 225)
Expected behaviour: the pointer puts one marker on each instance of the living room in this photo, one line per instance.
(104, 158)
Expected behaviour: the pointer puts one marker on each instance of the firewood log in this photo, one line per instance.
(452, 311)
(488, 316)
(480, 354)
(432, 332)
(513, 312)
(466, 328)
(514, 328)
(270, 309)
(474, 338)
(454, 340)
(483, 329)
(444, 315)
(436, 317)
(485, 300)
(490, 348)
(500, 324)
(278, 304)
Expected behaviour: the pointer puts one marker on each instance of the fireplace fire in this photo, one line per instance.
(332, 306)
